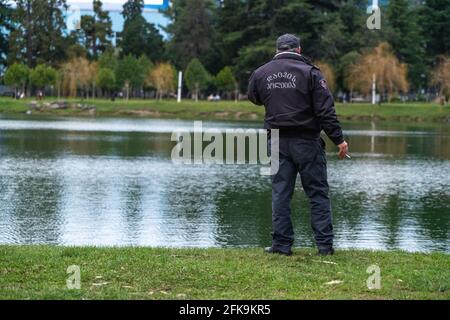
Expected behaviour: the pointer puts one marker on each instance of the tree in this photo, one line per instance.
(132, 9)
(191, 30)
(162, 77)
(146, 66)
(225, 81)
(37, 36)
(17, 75)
(43, 76)
(138, 36)
(433, 17)
(96, 30)
(405, 36)
(231, 27)
(108, 59)
(333, 38)
(92, 78)
(75, 74)
(106, 79)
(264, 22)
(441, 77)
(196, 77)
(381, 65)
(129, 74)
(76, 51)
(6, 25)
(344, 67)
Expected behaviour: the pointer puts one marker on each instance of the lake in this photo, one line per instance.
(112, 182)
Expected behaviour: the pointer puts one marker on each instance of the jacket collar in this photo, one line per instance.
(291, 55)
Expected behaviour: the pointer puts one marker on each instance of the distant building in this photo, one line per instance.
(77, 8)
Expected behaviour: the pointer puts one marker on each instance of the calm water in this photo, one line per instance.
(112, 182)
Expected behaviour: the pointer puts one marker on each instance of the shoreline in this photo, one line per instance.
(40, 272)
(224, 110)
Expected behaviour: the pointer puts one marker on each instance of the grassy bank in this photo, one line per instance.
(227, 110)
(39, 272)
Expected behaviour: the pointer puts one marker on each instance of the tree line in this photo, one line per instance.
(219, 43)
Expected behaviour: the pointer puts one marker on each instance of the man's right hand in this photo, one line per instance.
(343, 150)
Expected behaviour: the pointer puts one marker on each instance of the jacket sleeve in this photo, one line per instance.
(253, 95)
(323, 104)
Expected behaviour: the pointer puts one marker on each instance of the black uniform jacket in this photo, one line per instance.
(296, 97)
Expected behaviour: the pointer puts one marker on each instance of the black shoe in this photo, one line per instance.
(271, 250)
(325, 252)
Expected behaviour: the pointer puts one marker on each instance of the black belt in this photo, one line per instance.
(296, 133)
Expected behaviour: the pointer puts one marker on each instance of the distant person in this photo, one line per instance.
(211, 97)
(299, 104)
(217, 98)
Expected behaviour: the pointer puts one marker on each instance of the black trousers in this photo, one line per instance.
(307, 158)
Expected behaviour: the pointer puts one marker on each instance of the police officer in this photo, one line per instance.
(299, 104)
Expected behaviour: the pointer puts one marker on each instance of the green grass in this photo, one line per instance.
(39, 272)
(228, 110)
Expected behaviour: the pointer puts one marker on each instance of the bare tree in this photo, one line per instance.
(378, 69)
(75, 74)
(441, 78)
(162, 77)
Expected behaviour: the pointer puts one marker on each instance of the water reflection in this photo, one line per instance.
(111, 182)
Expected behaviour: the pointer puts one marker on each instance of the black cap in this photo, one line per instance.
(288, 42)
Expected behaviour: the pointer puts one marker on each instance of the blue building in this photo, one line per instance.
(114, 7)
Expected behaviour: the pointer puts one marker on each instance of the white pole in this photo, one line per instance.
(374, 89)
(180, 85)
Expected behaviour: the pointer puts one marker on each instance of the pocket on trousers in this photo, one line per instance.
(322, 156)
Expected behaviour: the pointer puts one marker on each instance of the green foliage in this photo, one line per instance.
(109, 60)
(433, 16)
(5, 18)
(196, 76)
(235, 33)
(106, 79)
(225, 79)
(191, 30)
(406, 38)
(17, 75)
(42, 76)
(251, 57)
(96, 30)
(231, 27)
(140, 37)
(76, 51)
(132, 9)
(129, 71)
(345, 64)
(38, 35)
(145, 64)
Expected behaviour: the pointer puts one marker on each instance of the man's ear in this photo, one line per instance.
(299, 50)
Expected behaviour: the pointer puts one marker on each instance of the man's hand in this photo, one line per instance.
(343, 150)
